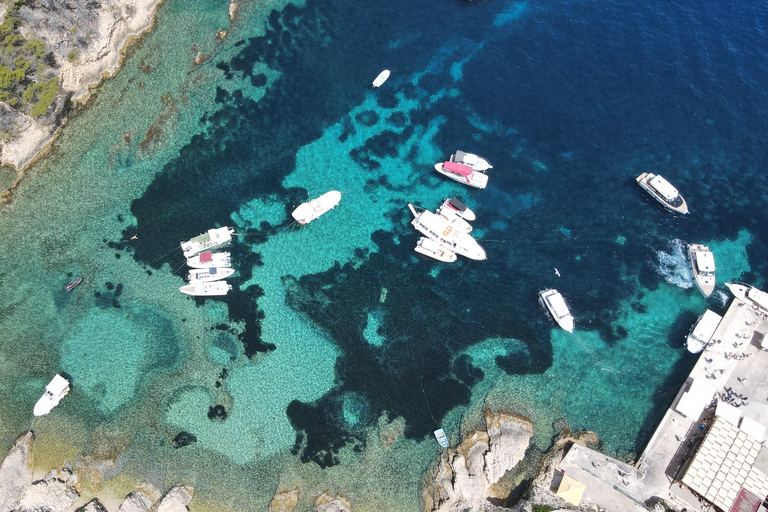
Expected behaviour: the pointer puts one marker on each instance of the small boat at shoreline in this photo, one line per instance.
(442, 439)
(702, 263)
(202, 275)
(203, 288)
(701, 332)
(381, 78)
(663, 192)
(557, 307)
(458, 208)
(463, 174)
(435, 250)
(477, 163)
(54, 392)
(750, 295)
(207, 241)
(309, 211)
(208, 259)
(448, 232)
(73, 284)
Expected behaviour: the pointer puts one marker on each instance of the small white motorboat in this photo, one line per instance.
(202, 275)
(210, 259)
(442, 439)
(54, 392)
(207, 241)
(381, 78)
(663, 192)
(463, 174)
(458, 207)
(477, 163)
(702, 263)
(448, 232)
(556, 305)
(701, 332)
(201, 288)
(307, 212)
(750, 295)
(435, 250)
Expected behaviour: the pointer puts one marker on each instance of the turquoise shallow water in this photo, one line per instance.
(337, 335)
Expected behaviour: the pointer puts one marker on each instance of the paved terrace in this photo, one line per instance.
(619, 487)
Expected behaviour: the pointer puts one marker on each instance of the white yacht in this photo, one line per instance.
(440, 229)
(702, 263)
(458, 207)
(200, 288)
(477, 163)
(435, 249)
(210, 259)
(381, 78)
(556, 305)
(701, 332)
(54, 392)
(442, 439)
(752, 296)
(463, 174)
(202, 275)
(207, 241)
(455, 219)
(663, 192)
(307, 212)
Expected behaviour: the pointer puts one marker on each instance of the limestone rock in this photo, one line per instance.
(176, 500)
(92, 506)
(284, 501)
(137, 501)
(54, 493)
(326, 503)
(509, 436)
(14, 474)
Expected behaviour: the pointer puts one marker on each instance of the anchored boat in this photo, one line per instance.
(54, 392)
(701, 332)
(463, 174)
(73, 284)
(702, 263)
(202, 275)
(457, 207)
(207, 241)
(203, 288)
(663, 192)
(557, 307)
(307, 212)
(448, 232)
(441, 437)
(210, 259)
(381, 78)
(477, 163)
(756, 298)
(435, 250)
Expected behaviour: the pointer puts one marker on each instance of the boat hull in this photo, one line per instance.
(459, 208)
(705, 283)
(218, 259)
(381, 78)
(702, 331)
(205, 275)
(477, 163)
(644, 181)
(435, 250)
(555, 304)
(73, 284)
(206, 289)
(476, 180)
(213, 239)
(442, 439)
(309, 211)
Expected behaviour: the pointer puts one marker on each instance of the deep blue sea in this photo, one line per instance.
(340, 350)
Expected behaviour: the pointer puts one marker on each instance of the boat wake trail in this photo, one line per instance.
(672, 266)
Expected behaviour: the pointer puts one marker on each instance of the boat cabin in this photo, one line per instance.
(705, 263)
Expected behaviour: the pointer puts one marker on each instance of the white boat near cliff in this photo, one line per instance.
(442, 439)
(663, 192)
(202, 275)
(213, 239)
(208, 259)
(701, 332)
(206, 288)
(435, 250)
(448, 232)
(557, 307)
(750, 295)
(309, 211)
(54, 392)
(702, 263)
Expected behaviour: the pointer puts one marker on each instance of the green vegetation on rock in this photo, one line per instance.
(23, 63)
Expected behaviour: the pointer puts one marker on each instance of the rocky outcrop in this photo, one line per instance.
(327, 503)
(92, 506)
(15, 476)
(284, 501)
(136, 501)
(54, 493)
(464, 477)
(176, 500)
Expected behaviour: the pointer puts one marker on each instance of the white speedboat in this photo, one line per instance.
(701, 332)
(702, 263)
(54, 392)
(477, 163)
(750, 295)
(202, 275)
(458, 207)
(438, 228)
(435, 250)
(381, 78)
(556, 305)
(201, 288)
(210, 259)
(463, 174)
(207, 241)
(663, 192)
(307, 212)
(442, 439)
